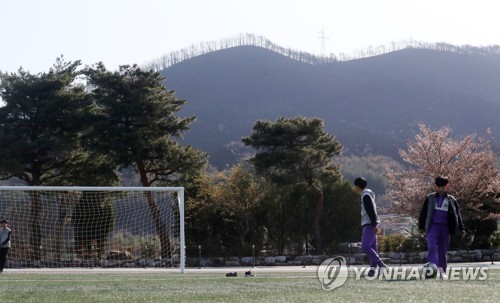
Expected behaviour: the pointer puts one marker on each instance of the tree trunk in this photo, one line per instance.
(160, 225)
(36, 229)
(59, 230)
(282, 234)
(316, 219)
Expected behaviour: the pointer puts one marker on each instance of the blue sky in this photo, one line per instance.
(34, 32)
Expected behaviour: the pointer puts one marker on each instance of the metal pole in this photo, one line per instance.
(253, 254)
(400, 253)
(180, 201)
(492, 253)
(199, 255)
(41, 256)
(349, 261)
(93, 257)
(304, 254)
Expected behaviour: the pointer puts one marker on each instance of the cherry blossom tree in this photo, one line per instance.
(469, 163)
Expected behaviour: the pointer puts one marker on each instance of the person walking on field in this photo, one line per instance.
(4, 243)
(370, 223)
(439, 218)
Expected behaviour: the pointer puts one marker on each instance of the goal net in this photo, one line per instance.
(94, 226)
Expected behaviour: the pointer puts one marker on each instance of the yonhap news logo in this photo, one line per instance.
(332, 273)
(397, 273)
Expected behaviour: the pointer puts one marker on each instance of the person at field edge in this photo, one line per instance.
(439, 218)
(370, 223)
(4, 243)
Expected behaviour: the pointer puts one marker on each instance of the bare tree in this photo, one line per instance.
(242, 40)
(255, 40)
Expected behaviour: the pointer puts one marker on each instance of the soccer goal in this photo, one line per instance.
(94, 226)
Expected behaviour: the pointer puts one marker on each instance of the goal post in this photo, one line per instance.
(71, 226)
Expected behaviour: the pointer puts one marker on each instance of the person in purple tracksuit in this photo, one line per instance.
(370, 223)
(439, 218)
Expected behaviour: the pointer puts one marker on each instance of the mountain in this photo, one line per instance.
(372, 105)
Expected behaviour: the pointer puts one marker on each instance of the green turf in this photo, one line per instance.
(216, 287)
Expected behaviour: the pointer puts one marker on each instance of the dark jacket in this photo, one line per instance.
(455, 223)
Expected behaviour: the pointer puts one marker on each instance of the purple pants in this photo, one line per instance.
(3, 257)
(438, 240)
(370, 247)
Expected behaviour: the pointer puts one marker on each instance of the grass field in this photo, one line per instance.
(210, 286)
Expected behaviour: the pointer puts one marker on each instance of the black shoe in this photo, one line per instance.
(370, 273)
